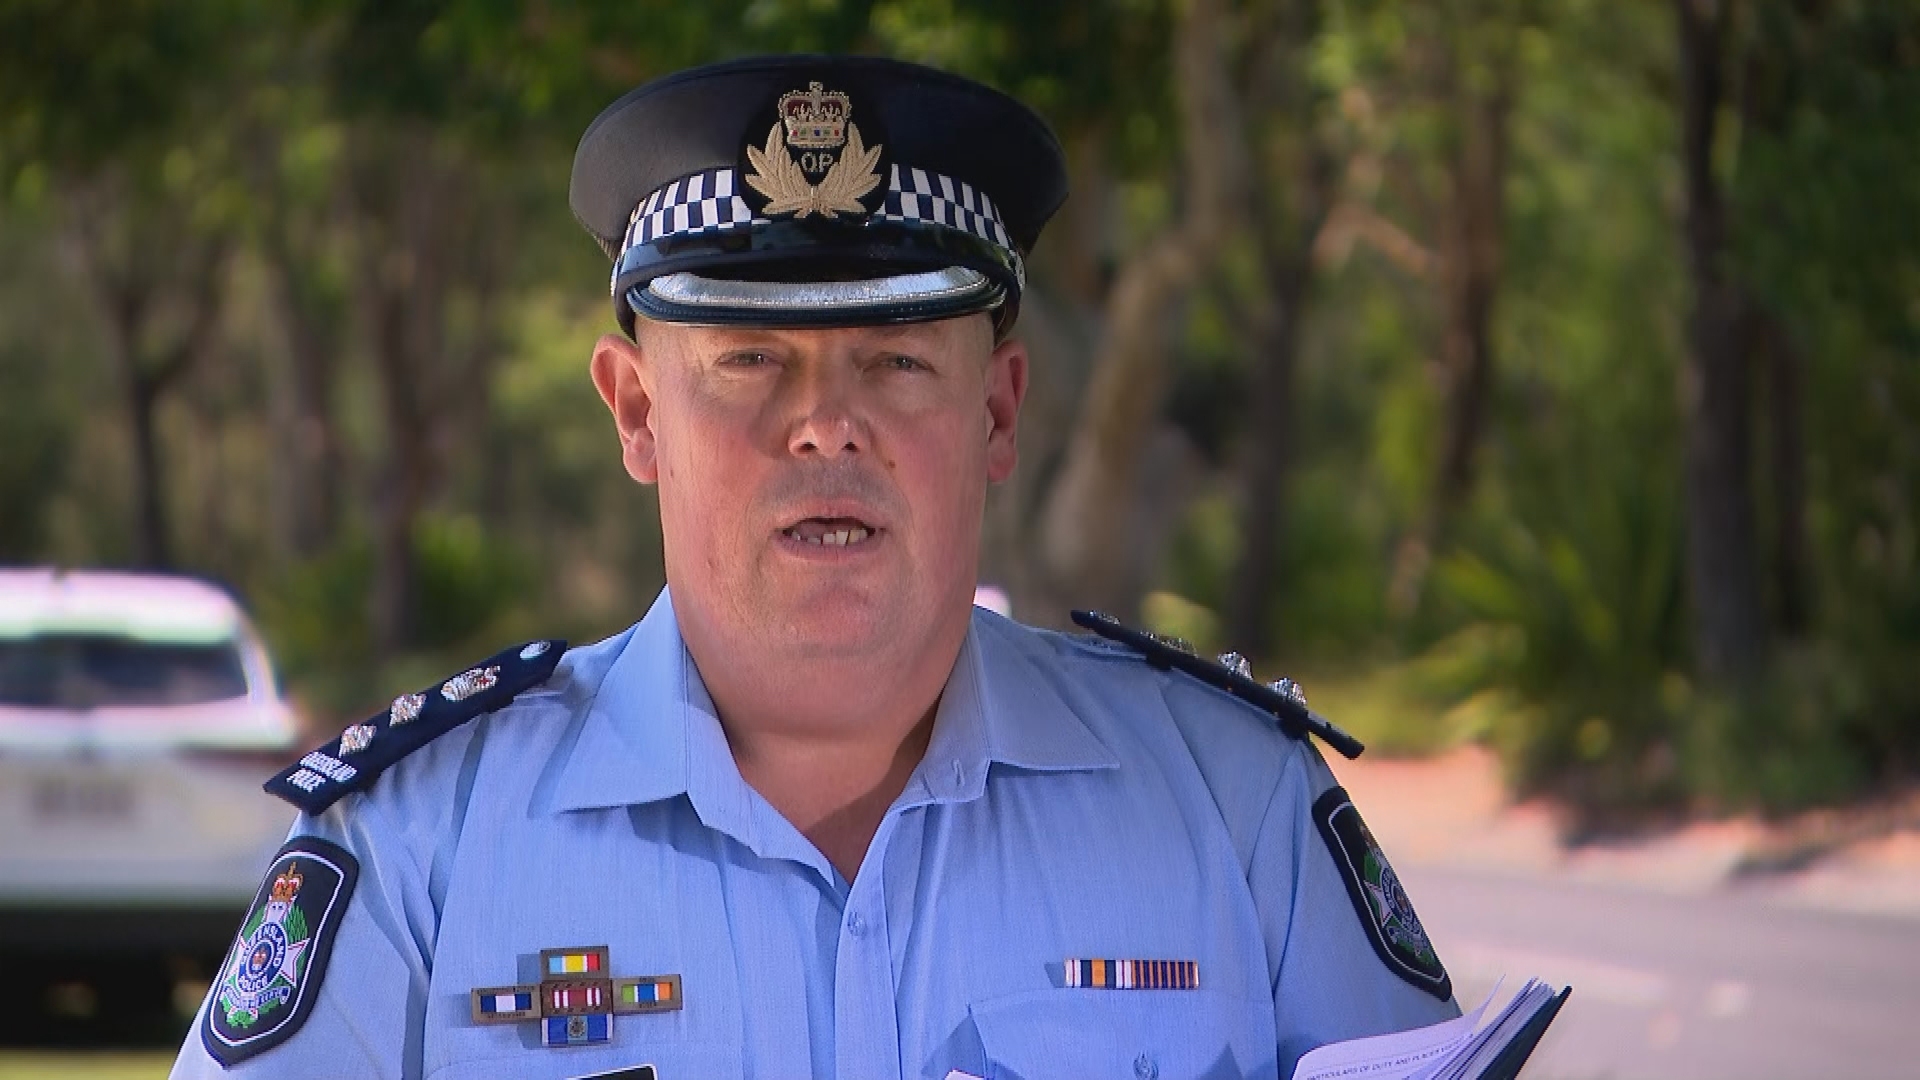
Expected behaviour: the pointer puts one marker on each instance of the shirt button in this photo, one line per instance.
(856, 925)
(1145, 1068)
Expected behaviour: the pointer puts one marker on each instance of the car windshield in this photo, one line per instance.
(93, 671)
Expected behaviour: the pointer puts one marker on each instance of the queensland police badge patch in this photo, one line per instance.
(266, 989)
(1377, 895)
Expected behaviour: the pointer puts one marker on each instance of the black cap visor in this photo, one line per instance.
(817, 274)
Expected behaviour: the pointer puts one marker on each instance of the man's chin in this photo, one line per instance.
(853, 615)
(871, 612)
(838, 624)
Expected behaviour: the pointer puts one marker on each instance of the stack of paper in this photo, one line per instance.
(1457, 1049)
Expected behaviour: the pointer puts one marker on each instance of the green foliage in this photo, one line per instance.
(315, 615)
(467, 580)
(1553, 618)
(88, 81)
(1553, 622)
(36, 422)
(1572, 633)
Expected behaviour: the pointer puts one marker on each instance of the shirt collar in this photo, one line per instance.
(1001, 707)
(652, 733)
(648, 721)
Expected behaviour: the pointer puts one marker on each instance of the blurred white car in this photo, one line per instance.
(138, 717)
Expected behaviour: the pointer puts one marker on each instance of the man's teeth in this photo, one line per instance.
(835, 537)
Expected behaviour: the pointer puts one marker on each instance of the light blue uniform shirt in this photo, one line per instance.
(1073, 802)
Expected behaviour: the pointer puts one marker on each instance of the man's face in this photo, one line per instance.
(820, 490)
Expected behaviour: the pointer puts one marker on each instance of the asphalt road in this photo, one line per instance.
(1726, 983)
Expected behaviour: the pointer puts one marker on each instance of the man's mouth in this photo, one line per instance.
(830, 532)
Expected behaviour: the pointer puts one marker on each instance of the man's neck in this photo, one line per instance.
(835, 792)
(829, 744)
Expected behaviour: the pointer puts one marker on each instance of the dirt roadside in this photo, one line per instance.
(1452, 811)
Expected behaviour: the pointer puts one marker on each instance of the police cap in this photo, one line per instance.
(802, 191)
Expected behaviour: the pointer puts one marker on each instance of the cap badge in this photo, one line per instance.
(814, 161)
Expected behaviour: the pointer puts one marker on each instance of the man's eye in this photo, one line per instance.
(899, 362)
(746, 359)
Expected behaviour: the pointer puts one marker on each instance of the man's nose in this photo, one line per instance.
(826, 420)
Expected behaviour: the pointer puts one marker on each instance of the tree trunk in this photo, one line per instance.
(131, 288)
(1250, 623)
(399, 298)
(404, 481)
(1472, 240)
(1770, 87)
(125, 301)
(1722, 565)
(1787, 469)
(1289, 202)
(1088, 542)
(314, 457)
(1470, 277)
(423, 233)
(1060, 335)
(151, 530)
(311, 317)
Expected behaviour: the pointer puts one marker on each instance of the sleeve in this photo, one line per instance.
(1346, 954)
(324, 993)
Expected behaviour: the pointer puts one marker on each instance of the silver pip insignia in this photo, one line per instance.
(356, 738)
(406, 708)
(468, 683)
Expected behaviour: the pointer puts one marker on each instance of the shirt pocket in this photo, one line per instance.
(671, 1061)
(1125, 1034)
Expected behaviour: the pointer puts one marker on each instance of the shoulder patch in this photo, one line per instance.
(1378, 898)
(273, 970)
(362, 752)
(1282, 699)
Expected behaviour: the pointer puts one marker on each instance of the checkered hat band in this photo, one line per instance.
(709, 202)
(918, 195)
(705, 202)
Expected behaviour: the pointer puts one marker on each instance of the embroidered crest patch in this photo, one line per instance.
(266, 989)
(1377, 895)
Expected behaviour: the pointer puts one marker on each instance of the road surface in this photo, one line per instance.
(1730, 982)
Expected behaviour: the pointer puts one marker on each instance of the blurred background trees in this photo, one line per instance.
(1543, 374)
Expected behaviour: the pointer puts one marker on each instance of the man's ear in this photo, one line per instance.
(616, 373)
(1006, 389)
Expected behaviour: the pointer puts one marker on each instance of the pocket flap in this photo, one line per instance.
(1142, 1034)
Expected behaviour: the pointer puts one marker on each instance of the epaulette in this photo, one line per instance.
(362, 752)
(1231, 673)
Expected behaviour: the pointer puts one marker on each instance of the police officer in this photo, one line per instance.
(815, 814)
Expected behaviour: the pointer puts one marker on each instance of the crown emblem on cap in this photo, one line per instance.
(287, 885)
(816, 118)
(818, 124)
